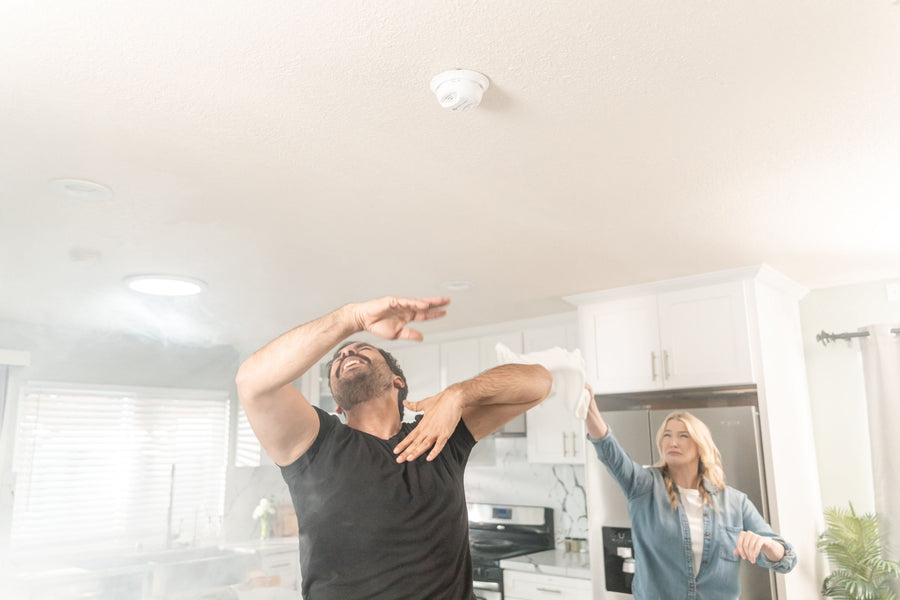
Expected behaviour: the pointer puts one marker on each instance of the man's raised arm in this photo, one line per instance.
(484, 403)
(283, 420)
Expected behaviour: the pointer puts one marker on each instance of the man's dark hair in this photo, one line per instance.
(392, 364)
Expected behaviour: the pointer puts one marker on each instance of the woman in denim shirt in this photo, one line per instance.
(689, 530)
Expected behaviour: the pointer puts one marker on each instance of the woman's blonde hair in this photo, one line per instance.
(710, 463)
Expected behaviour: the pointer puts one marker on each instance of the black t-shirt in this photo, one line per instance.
(376, 530)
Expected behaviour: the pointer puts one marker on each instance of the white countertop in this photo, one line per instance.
(274, 544)
(552, 562)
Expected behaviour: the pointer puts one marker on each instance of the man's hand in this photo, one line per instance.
(387, 317)
(442, 414)
(750, 544)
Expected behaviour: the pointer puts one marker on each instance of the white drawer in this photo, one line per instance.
(518, 585)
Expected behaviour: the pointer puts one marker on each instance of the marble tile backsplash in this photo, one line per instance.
(500, 473)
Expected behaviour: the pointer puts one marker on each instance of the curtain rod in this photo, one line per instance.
(826, 337)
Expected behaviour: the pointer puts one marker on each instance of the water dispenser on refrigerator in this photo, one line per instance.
(618, 559)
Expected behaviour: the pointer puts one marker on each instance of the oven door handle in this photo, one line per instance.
(490, 586)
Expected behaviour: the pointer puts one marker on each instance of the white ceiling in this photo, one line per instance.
(291, 154)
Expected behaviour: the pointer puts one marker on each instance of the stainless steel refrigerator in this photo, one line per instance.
(732, 417)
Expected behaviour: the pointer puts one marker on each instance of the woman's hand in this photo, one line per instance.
(750, 544)
(594, 422)
(442, 415)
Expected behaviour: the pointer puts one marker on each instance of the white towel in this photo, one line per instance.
(567, 369)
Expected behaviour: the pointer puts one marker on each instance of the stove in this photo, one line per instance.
(502, 531)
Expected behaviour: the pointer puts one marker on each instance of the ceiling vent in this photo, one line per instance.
(459, 89)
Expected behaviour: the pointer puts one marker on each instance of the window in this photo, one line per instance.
(247, 449)
(103, 467)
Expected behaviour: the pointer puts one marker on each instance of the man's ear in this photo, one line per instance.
(338, 410)
(399, 383)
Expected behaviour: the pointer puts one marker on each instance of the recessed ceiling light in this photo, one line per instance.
(81, 189)
(165, 285)
(457, 286)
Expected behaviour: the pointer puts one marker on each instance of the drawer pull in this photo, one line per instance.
(552, 591)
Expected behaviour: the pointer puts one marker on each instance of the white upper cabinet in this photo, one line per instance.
(421, 364)
(487, 347)
(554, 434)
(704, 336)
(459, 361)
(684, 338)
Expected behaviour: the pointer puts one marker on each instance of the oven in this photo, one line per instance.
(502, 531)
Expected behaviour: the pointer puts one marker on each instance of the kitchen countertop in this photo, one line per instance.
(552, 562)
(268, 545)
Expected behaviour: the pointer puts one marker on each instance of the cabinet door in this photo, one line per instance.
(535, 586)
(554, 434)
(286, 565)
(621, 345)
(704, 336)
(421, 365)
(459, 361)
(487, 359)
(487, 352)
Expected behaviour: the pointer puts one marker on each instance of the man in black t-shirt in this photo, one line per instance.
(380, 503)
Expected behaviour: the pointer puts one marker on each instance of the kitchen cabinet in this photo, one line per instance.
(518, 585)
(466, 358)
(283, 563)
(684, 338)
(554, 434)
(432, 367)
(421, 365)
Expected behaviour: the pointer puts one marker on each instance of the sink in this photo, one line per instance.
(175, 555)
(201, 572)
(175, 572)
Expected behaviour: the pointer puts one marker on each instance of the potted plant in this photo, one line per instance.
(852, 544)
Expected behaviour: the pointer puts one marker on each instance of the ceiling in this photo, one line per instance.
(291, 154)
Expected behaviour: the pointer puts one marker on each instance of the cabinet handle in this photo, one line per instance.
(653, 364)
(551, 590)
(666, 362)
(574, 446)
(565, 450)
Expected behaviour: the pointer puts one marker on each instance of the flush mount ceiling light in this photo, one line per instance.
(165, 285)
(457, 286)
(459, 89)
(81, 189)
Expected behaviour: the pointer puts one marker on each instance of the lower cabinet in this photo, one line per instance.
(518, 585)
(285, 564)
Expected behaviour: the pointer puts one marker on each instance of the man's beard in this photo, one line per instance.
(355, 388)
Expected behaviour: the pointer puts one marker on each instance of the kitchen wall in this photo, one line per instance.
(836, 387)
(499, 471)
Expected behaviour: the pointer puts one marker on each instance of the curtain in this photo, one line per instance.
(881, 369)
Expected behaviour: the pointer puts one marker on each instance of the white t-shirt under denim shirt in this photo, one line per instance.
(693, 508)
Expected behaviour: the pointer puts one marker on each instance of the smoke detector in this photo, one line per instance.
(459, 89)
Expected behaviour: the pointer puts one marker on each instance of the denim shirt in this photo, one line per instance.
(664, 562)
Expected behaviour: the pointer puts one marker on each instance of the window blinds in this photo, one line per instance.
(94, 467)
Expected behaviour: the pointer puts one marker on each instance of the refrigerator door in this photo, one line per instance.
(607, 504)
(735, 431)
